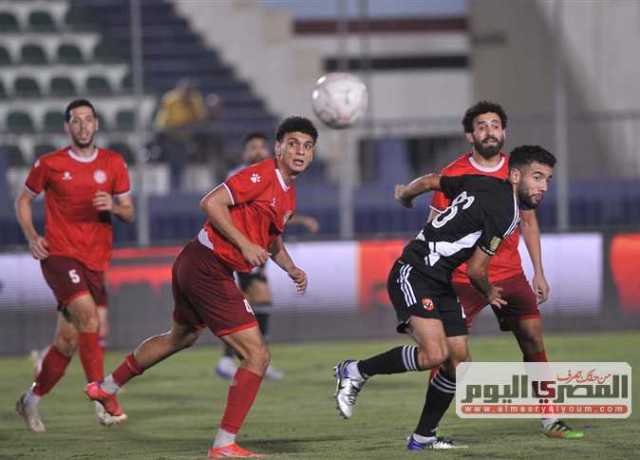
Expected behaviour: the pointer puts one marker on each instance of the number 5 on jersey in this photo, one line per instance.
(75, 278)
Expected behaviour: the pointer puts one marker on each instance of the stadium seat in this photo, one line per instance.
(14, 155)
(98, 86)
(3, 91)
(20, 122)
(124, 150)
(62, 87)
(104, 53)
(41, 149)
(33, 54)
(8, 22)
(53, 122)
(41, 21)
(104, 123)
(69, 54)
(125, 120)
(127, 82)
(5, 56)
(26, 87)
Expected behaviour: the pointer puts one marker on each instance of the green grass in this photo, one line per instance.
(174, 410)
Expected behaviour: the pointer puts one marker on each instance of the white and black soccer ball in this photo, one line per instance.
(339, 99)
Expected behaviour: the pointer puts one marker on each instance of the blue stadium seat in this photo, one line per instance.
(98, 86)
(53, 122)
(69, 54)
(8, 22)
(5, 57)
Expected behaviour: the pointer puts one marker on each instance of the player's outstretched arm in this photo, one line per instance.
(531, 234)
(281, 257)
(478, 271)
(405, 194)
(215, 205)
(37, 244)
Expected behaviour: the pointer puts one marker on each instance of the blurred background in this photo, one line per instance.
(564, 70)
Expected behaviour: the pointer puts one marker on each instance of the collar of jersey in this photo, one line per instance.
(81, 159)
(479, 167)
(283, 184)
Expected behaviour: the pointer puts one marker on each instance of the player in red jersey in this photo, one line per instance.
(246, 216)
(84, 186)
(254, 285)
(485, 126)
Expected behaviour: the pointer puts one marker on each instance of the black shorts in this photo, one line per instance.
(246, 279)
(411, 295)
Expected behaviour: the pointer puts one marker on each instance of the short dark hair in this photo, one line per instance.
(524, 155)
(74, 105)
(296, 124)
(254, 135)
(480, 108)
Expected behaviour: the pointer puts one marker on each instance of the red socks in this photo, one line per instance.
(91, 356)
(128, 369)
(53, 367)
(242, 393)
(540, 357)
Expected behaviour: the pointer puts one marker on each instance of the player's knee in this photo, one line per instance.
(260, 357)
(434, 357)
(66, 344)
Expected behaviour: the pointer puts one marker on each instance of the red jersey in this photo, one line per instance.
(73, 226)
(506, 263)
(262, 205)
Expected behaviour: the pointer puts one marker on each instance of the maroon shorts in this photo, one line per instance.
(68, 278)
(521, 301)
(205, 293)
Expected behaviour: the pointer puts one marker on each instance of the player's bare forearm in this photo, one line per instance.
(25, 216)
(405, 194)
(124, 210)
(531, 234)
(280, 255)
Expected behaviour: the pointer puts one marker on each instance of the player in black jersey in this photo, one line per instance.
(483, 212)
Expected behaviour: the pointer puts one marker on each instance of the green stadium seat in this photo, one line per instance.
(14, 155)
(98, 86)
(41, 21)
(8, 23)
(26, 87)
(125, 120)
(41, 149)
(19, 122)
(33, 54)
(69, 54)
(62, 87)
(5, 56)
(124, 150)
(53, 122)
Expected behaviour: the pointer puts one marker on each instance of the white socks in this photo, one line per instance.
(422, 439)
(224, 438)
(547, 422)
(30, 398)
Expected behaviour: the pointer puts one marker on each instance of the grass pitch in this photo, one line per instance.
(174, 410)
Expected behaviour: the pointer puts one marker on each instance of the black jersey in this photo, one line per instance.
(483, 212)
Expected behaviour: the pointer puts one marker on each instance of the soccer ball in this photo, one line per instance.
(339, 99)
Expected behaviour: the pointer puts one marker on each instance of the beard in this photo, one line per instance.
(527, 201)
(488, 151)
(83, 145)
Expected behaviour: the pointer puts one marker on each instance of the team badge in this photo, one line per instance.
(66, 175)
(255, 178)
(427, 304)
(100, 176)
